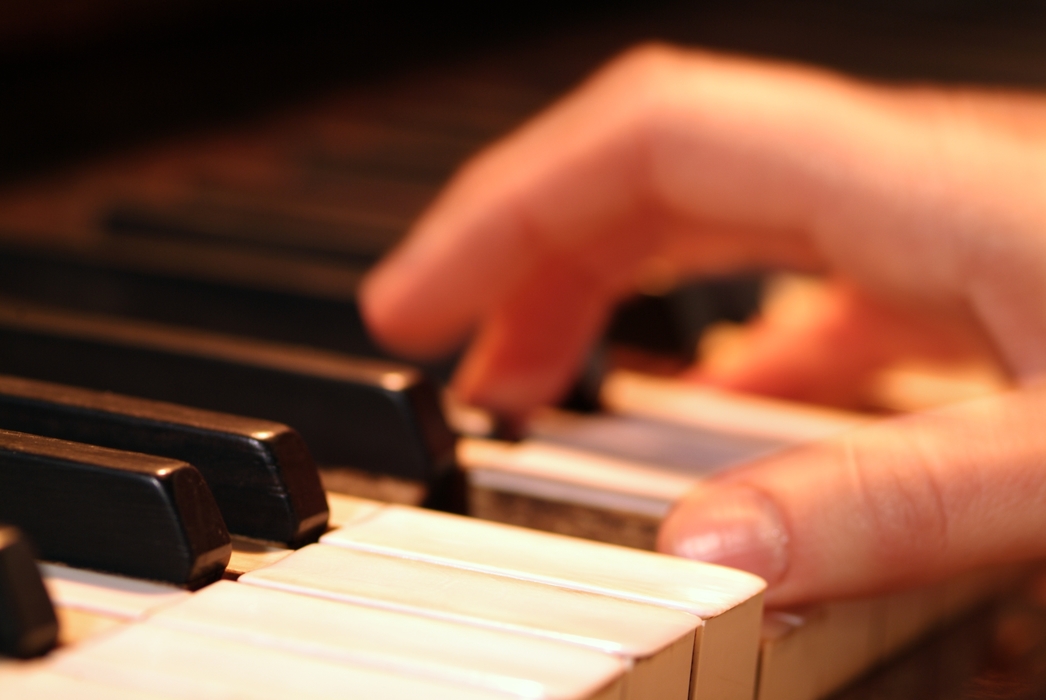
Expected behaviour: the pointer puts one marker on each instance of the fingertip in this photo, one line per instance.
(730, 525)
(489, 378)
(379, 308)
(392, 310)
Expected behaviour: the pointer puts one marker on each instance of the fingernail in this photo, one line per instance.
(735, 526)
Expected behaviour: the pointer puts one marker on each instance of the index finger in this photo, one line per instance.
(584, 183)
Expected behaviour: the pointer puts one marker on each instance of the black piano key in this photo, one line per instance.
(28, 626)
(671, 324)
(261, 473)
(376, 416)
(122, 512)
(151, 283)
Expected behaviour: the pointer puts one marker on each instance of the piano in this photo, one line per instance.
(220, 179)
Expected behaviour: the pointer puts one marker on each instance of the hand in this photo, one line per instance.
(927, 207)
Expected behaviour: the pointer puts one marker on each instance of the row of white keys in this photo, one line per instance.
(154, 659)
(401, 643)
(478, 660)
(728, 602)
(515, 665)
(233, 641)
(656, 643)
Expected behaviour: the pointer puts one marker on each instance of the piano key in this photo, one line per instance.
(261, 474)
(683, 403)
(40, 683)
(236, 290)
(177, 664)
(122, 512)
(684, 449)
(395, 641)
(75, 626)
(705, 590)
(28, 626)
(552, 472)
(377, 416)
(248, 555)
(729, 601)
(115, 596)
(657, 642)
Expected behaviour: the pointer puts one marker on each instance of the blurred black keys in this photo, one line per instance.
(121, 512)
(237, 290)
(28, 626)
(376, 416)
(260, 472)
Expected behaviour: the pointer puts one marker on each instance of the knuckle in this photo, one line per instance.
(901, 500)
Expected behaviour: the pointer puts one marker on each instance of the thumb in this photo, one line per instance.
(899, 503)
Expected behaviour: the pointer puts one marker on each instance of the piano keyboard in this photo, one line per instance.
(386, 624)
(235, 258)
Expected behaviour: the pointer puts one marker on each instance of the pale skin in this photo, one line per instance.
(924, 207)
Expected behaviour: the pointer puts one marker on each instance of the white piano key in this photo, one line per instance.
(248, 555)
(658, 642)
(108, 594)
(349, 509)
(40, 683)
(565, 474)
(632, 393)
(729, 601)
(151, 658)
(674, 446)
(75, 625)
(705, 590)
(397, 642)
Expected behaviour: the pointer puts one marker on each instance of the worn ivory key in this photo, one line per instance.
(399, 642)
(728, 601)
(152, 658)
(656, 643)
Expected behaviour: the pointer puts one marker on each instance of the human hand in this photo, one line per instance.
(927, 206)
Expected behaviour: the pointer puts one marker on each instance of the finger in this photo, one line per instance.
(526, 353)
(826, 344)
(551, 190)
(715, 164)
(584, 180)
(903, 502)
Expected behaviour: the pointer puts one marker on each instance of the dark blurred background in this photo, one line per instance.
(84, 77)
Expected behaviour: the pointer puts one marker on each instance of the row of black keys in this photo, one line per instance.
(148, 489)
(152, 489)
